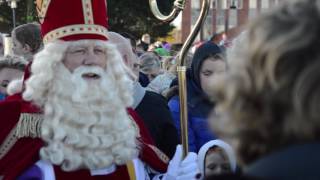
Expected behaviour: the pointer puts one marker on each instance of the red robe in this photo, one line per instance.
(24, 152)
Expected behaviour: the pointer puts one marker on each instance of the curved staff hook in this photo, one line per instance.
(178, 6)
(181, 62)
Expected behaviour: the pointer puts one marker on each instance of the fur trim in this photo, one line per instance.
(15, 86)
(29, 125)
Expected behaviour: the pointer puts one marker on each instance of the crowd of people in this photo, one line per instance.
(80, 102)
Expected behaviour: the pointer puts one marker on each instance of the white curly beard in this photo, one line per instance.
(86, 126)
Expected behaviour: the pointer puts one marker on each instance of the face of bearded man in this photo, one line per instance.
(85, 120)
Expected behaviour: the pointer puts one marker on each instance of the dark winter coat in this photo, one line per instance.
(156, 115)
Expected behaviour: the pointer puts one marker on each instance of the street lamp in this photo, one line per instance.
(7, 44)
(13, 4)
(227, 4)
(236, 4)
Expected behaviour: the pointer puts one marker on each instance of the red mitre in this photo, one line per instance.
(72, 20)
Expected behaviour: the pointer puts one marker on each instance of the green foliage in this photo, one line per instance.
(133, 16)
(25, 13)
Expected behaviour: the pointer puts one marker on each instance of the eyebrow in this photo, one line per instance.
(207, 70)
(98, 46)
(75, 47)
(84, 46)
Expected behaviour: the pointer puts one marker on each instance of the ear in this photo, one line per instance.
(27, 48)
(127, 62)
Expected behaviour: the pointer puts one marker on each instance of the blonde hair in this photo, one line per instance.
(269, 98)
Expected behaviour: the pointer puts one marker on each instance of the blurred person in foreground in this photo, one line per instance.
(268, 104)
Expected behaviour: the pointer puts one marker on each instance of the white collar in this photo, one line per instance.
(103, 171)
(138, 94)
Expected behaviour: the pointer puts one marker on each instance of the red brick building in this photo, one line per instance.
(221, 18)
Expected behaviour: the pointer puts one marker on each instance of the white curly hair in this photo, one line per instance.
(85, 126)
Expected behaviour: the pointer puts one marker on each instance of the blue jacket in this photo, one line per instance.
(199, 105)
(198, 110)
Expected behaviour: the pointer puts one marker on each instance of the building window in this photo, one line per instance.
(233, 18)
(265, 4)
(253, 9)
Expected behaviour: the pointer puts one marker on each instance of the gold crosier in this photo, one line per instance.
(177, 7)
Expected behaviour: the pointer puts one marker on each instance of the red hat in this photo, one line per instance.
(72, 20)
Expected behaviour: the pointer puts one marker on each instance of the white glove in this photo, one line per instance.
(186, 170)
